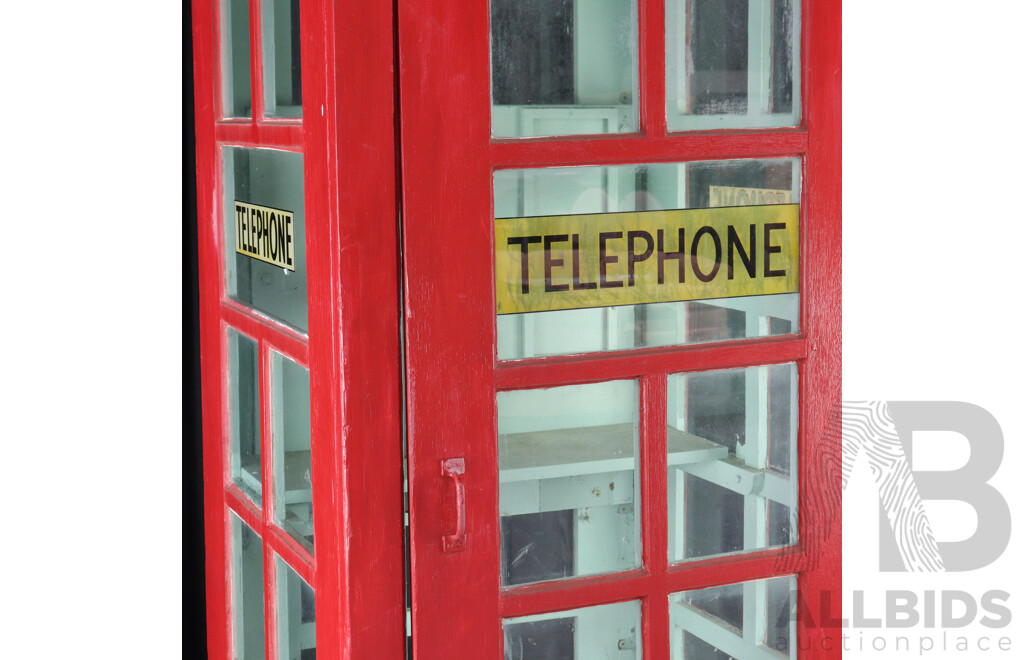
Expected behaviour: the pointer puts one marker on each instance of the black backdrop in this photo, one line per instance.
(193, 595)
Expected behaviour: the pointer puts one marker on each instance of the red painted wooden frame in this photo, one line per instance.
(448, 159)
(352, 349)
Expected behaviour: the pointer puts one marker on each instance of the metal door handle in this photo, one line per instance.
(454, 468)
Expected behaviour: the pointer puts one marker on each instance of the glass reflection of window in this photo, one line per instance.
(563, 67)
(296, 615)
(745, 621)
(293, 480)
(732, 64)
(732, 446)
(604, 631)
(567, 478)
(236, 84)
(249, 640)
(282, 69)
(244, 415)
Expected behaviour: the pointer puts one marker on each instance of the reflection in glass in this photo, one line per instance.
(563, 67)
(718, 52)
(568, 486)
(745, 621)
(244, 415)
(268, 178)
(609, 189)
(733, 498)
(605, 631)
(732, 63)
(293, 480)
(235, 72)
(247, 591)
(296, 615)
(282, 69)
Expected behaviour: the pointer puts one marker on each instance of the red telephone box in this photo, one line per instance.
(520, 327)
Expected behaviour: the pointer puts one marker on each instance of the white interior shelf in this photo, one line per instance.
(590, 450)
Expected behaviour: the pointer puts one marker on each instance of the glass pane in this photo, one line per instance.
(740, 621)
(728, 433)
(563, 67)
(247, 591)
(730, 63)
(235, 71)
(535, 193)
(282, 70)
(568, 487)
(605, 631)
(265, 232)
(244, 390)
(293, 479)
(296, 615)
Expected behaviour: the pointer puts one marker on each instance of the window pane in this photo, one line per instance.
(568, 486)
(728, 432)
(605, 631)
(296, 615)
(563, 67)
(264, 232)
(235, 71)
(282, 70)
(732, 63)
(247, 591)
(740, 621)
(244, 390)
(537, 193)
(293, 480)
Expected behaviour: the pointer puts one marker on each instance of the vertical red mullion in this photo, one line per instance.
(266, 462)
(654, 510)
(318, 54)
(653, 122)
(329, 560)
(266, 486)
(256, 58)
(820, 454)
(366, 339)
(205, 62)
(269, 599)
(217, 60)
(805, 58)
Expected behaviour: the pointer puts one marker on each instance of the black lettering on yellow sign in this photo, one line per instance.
(735, 247)
(265, 233)
(571, 262)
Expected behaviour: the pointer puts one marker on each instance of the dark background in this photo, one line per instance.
(193, 592)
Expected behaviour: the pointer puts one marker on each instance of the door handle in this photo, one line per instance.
(454, 469)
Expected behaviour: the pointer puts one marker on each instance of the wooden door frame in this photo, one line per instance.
(448, 159)
(352, 348)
